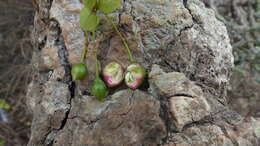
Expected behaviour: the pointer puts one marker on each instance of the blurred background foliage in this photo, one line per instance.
(242, 18)
(2, 142)
(15, 70)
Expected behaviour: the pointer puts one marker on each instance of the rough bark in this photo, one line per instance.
(187, 54)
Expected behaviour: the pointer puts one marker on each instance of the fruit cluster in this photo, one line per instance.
(113, 73)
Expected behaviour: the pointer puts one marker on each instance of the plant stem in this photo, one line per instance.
(97, 68)
(84, 49)
(95, 52)
(130, 56)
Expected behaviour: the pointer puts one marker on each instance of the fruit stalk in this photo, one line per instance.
(95, 51)
(84, 49)
(98, 89)
(130, 56)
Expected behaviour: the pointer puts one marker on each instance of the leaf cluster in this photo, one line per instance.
(89, 19)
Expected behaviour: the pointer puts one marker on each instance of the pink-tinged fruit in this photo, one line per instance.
(134, 76)
(113, 74)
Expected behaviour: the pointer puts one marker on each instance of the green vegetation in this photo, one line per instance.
(4, 104)
(89, 18)
(78, 71)
(99, 89)
(2, 142)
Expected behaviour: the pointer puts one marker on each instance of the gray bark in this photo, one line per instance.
(188, 57)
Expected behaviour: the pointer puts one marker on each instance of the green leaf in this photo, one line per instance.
(88, 20)
(90, 4)
(108, 6)
(4, 105)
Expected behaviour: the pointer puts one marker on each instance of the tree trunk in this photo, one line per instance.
(188, 58)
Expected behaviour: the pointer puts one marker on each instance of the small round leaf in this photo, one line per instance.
(88, 19)
(108, 6)
(90, 4)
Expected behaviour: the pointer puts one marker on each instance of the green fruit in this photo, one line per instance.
(99, 89)
(78, 71)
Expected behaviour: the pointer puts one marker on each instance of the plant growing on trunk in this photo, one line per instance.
(98, 88)
(113, 72)
(79, 70)
(88, 22)
(135, 72)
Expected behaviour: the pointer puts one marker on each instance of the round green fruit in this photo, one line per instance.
(78, 71)
(99, 89)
